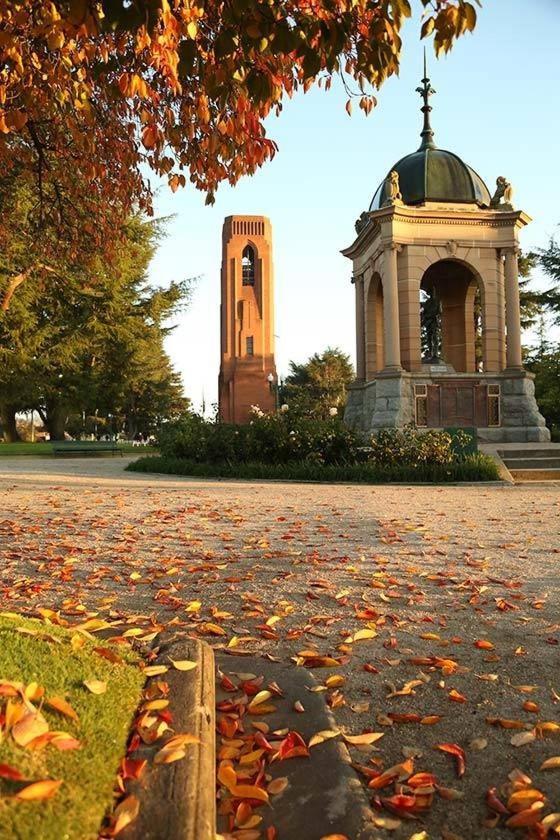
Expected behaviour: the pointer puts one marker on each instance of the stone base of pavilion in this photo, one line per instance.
(500, 406)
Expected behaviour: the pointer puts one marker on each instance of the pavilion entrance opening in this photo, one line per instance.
(451, 307)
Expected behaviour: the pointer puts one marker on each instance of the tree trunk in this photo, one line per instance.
(8, 421)
(55, 421)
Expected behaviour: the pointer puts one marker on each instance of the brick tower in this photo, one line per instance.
(247, 369)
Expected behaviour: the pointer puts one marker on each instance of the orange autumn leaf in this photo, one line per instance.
(484, 644)
(530, 816)
(456, 696)
(59, 704)
(39, 790)
(249, 792)
(520, 800)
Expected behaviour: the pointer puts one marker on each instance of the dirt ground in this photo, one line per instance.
(469, 575)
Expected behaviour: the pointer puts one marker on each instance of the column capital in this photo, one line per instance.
(509, 249)
(393, 246)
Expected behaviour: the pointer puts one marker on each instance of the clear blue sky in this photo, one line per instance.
(497, 106)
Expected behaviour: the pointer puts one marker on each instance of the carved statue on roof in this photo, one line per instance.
(360, 223)
(392, 189)
(504, 191)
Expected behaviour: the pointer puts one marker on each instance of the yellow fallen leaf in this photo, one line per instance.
(323, 735)
(360, 635)
(366, 738)
(155, 705)
(125, 812)
(259, 698)
(96, 686)
(183, 664)
(167, 756)
(155, 670)
(30, 726)
(77, 642)
(39, 790)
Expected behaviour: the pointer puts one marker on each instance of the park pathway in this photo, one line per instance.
(469, 575)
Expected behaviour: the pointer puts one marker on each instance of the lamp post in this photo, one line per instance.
(273, 385)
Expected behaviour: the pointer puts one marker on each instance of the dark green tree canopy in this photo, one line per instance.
(318, 385)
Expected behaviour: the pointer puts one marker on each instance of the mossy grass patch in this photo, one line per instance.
(59, 662)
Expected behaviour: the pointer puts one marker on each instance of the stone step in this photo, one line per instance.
(532, 463)
(535, 475)
(529, 452)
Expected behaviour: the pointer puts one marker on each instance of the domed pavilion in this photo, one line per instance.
(435, 270)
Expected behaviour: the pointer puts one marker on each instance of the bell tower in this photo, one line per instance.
(247, 368)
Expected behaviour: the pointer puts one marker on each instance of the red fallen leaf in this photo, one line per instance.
(402, 717)
(132, 768)
(459, 754)
(494, 803)
(401, 805)
(371, 668)
(7, 772)
(292, 746)
(483, 644)
(261, 742)
(227, 684)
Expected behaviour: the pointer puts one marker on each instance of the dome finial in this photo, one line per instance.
(425, 92)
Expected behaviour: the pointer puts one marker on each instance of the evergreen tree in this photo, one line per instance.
(87, 337)
(318, 385)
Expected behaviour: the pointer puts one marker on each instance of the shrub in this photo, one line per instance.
(411, 448)
(268, 438)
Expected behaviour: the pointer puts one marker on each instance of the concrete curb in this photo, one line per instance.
(178, 800)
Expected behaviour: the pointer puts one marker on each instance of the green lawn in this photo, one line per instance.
(88, 774)
(45, 449)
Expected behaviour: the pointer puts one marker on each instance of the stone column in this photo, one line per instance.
(391, 308)
(501, 310)
(513, 313)
(360, 329)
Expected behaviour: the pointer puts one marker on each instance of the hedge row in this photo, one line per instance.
(473, 468)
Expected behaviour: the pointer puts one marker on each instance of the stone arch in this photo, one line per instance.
(248, 265)
(374, 338)
(457, 283)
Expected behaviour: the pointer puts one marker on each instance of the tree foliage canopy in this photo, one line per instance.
(92, 91)
(318, 385)
(88, 340)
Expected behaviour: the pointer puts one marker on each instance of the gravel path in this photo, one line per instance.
(286, 568)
